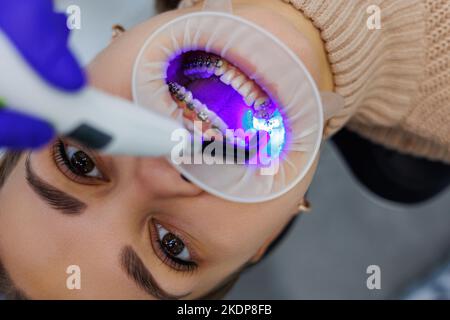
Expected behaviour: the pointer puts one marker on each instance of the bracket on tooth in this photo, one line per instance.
(203, 67)
(202, 112)
(190, 106)
(174, 88)
(219, 63)
(202, 116)
(263, 109)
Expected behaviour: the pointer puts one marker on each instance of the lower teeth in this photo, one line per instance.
(201, 110)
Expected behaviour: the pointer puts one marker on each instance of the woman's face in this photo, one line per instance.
(134, 226)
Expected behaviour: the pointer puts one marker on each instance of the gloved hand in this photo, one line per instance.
(41, 36)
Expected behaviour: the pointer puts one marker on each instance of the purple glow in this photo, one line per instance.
(222, 99)
(227, 103)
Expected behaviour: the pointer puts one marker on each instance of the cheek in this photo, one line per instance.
(108, 75)
(237, 231)
(29, 236)
(241, 229)
(38, 244)
(279, 26)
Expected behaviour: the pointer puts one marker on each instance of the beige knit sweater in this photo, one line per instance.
(395, 80)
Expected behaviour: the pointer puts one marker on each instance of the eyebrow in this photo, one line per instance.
(136, 270)
(56, 198)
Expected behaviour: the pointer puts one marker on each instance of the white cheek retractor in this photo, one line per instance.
(215, 44)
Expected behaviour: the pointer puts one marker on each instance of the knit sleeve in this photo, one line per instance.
(377, 71)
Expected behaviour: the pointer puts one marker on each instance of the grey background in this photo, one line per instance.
(328, 251)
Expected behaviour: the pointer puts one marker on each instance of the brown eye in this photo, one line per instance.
(82, 163)
(77, 164)
(172, 244)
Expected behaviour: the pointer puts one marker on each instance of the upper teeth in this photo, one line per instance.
(237, 82)
(228, 76)
(205, 67)
(251, 98)
(260, 103)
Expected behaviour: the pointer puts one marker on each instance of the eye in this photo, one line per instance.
(76, 163)
(172, 245)
(172, 249)
(81, 163)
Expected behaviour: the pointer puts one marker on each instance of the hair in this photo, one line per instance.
(164, 5)
(7, 164)
(7, 288)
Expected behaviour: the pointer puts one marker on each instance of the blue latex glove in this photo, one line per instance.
(41, 36)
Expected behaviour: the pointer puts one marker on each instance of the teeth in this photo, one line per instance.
(211, 67)
(181, 93)
(205, 67)
(220, 68)
(188, 97)
(261, 103)
(250, 99)
(197, 104)
(237, 82)
(262, 114)
(190, 105)
(245, 89)
(228, 77)
(202, 108)
(188, 124)
(202, 111)
(212, 116)
(219, 63)
(173, 87)
(203, 116)
(219, 124)
(220, 71)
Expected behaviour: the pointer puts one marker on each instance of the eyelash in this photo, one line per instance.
(64, 165)
(165, 257)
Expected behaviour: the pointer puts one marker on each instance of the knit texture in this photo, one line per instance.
(395, 80)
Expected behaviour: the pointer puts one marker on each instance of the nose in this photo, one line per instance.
(158, 177)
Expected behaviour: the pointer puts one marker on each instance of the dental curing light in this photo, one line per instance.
(106, 123)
